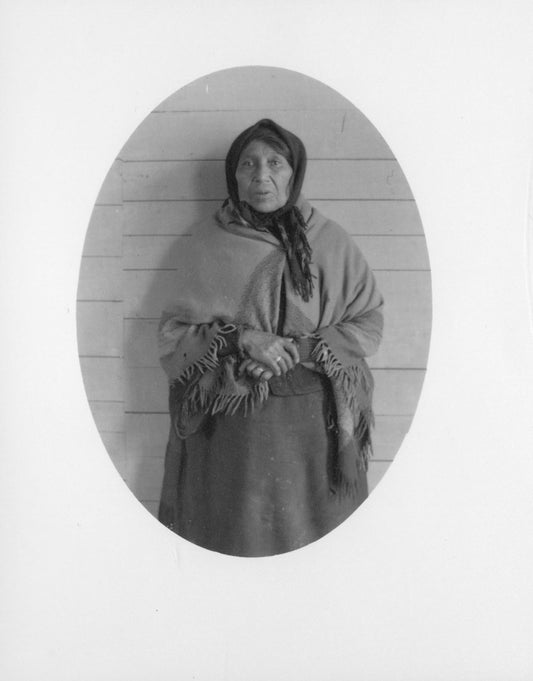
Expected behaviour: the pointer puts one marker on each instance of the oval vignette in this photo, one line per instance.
(168, 176)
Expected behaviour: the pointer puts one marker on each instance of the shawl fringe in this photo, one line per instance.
(213, 396)
(210, 361)
(352, 390)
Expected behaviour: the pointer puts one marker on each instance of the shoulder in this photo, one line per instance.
(334, 249)
(326, 234)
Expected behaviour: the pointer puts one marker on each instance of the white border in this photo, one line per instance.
(431, 578)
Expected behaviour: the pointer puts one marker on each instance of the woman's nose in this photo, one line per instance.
(261, 172)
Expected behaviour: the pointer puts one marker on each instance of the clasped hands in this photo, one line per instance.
(268, 355)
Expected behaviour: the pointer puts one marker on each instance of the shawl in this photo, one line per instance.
(228, 277)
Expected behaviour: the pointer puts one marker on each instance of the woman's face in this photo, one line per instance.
(263, 177)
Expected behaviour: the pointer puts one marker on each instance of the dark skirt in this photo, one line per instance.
(260, 484)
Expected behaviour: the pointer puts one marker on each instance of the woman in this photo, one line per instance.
(273, 311)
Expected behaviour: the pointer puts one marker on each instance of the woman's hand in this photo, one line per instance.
(255, 370)
(275, 353)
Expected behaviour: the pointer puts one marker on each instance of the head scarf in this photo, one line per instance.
(286, 223)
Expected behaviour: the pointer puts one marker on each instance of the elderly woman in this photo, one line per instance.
(273, 311)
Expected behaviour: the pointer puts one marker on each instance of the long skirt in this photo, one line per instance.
(260, 484)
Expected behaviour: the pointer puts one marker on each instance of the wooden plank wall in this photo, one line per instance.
(169, 175)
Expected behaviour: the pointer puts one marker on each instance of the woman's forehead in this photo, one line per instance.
(260, 148)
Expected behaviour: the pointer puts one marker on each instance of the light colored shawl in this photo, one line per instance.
(229, 276)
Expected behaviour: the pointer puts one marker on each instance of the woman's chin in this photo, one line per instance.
(265, 205)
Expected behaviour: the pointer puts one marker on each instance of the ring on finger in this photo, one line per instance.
(279, 358)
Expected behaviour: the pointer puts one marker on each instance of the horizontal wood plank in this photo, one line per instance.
(388, 435)
(103, 378)
(144, 478)
(174, 218)
(394, 252)
(208, 134)
(121, 465)
(407, 320)
(108, 416)
(201, 180)
(104, 234)
(115, 444)
(100, 329)
(376, 472)
(396, 391)
(381, 252)
(140, 343)
(111, 190)
(165, 218)
(151, 506)
(254, 87)
(146, 435)
(100, 279)
(374, 217)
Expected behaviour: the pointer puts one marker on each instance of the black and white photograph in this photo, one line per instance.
(254, 242)
(268, 341)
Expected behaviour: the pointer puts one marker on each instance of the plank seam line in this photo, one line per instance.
(221, 160)
(98, 300)
(310, 198)
(133, 367)
(174, 269)
(101, 356)
(253, 110)
(152, 413)
(91, 401)
(179, 234)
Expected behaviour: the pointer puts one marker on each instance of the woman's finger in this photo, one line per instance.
(270, 363)
(265, 374)
(284, 363)
(257, 371)
(291, 348)
(244, 366)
